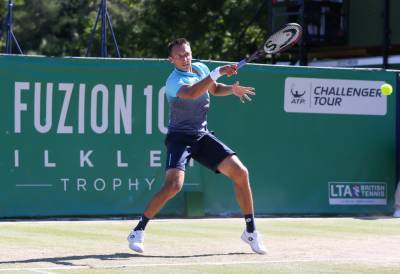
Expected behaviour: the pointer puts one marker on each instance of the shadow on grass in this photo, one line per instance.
(369, 218)
(69, 260)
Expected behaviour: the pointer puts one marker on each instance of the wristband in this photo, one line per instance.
(215, 74)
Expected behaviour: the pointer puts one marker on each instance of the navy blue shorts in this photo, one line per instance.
(205, 149)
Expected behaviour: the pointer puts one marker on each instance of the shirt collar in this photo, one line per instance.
(186, 73)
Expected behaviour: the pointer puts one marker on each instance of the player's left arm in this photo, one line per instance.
(219, 89)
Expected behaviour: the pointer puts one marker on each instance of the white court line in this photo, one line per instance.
(40, 271)
(177, 264)
(33, 185)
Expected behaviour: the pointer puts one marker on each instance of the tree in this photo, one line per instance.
(214, 28)
(219, 29)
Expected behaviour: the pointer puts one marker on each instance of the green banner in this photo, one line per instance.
(84, 137)
(81, 136)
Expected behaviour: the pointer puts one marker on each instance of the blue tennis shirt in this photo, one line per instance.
(187, 115)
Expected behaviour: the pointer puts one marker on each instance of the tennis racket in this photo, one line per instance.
(279, 41)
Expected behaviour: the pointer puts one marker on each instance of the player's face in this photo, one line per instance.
(181, 57)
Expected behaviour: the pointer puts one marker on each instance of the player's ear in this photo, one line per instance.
(170, 59)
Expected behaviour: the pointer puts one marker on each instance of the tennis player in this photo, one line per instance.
(188, 88)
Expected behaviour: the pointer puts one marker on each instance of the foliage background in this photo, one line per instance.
(219, 29)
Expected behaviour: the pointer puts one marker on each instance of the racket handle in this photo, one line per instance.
(241, 63)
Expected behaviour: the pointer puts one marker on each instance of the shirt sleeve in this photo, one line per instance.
(173, 85)
(205, 71)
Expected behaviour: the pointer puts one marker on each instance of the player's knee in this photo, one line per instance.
(173, 188)
(241, 172)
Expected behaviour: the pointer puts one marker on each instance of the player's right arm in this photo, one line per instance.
(196, 90)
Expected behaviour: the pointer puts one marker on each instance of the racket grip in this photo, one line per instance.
(241, 64)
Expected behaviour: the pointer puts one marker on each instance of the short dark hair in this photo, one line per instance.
(177, 42)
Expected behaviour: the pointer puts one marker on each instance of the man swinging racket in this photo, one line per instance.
(187, 89)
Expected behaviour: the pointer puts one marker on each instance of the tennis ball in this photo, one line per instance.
(386, 89)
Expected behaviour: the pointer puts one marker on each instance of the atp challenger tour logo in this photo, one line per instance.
(312, 95)
(90, 121)
(346, 193)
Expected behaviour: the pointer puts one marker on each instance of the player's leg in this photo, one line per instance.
(178, 154)
(233, 168)
(174, 179)
(215, 155)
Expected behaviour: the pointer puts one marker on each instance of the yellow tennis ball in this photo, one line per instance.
(386, 89)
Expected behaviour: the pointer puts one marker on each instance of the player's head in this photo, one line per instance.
(180, 54)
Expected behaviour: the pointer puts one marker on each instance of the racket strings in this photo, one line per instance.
(283, 38)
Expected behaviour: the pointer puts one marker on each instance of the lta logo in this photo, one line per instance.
(356, 189)
(360, 193)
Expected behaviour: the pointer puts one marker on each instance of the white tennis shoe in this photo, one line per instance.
(396, 214)
(136, 240)
(255, 241)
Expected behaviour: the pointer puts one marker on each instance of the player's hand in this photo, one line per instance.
(228, 70)
(243, 92)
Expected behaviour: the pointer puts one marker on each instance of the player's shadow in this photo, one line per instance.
(191, 256)
(70, 260)
(369, 218)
